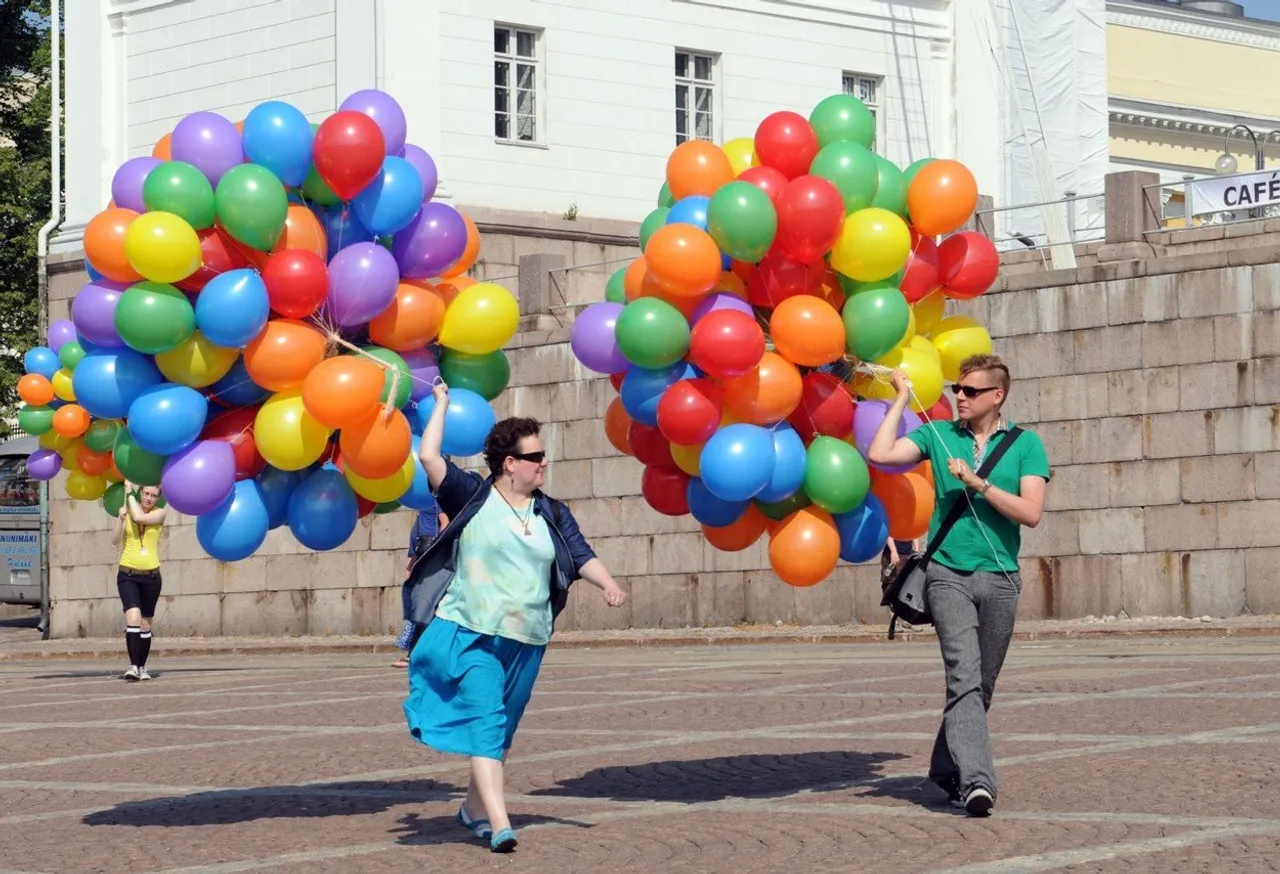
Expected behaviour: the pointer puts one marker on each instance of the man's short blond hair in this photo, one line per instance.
(992, 365)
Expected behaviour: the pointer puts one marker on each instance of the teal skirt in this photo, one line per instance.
(468, 691)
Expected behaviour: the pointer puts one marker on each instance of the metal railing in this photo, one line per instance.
(1168, 201)
(1083, 225)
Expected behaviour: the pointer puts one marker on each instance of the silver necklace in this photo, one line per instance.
(524, 520)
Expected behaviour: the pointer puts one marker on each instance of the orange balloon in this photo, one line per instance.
(738, 535)
(908, 502)
(469, 255)
(240, 127)
(697, 167)
(376, 446)
(94, 463)
(104, 244)
(163, 148)
(767, 393)
(942, 197)
(633, 279)
(302, 230)
(283, 354)
(617, 425)
(805, 547)
(450, 288)
(743, 270)
(71, 420)
(688, 458)
(639, 282)
(35, 389)
(807, 331)
(831, 292)
(113, 474)
(732, 283)
(683, 259)
(412, 320)
(342, 391)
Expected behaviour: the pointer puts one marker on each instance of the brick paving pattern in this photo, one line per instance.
(1114, 755)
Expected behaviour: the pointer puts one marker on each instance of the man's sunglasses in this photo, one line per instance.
(535, 457)
(972, 391)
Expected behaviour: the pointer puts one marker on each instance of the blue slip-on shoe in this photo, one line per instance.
(478, 827)
(503, 842)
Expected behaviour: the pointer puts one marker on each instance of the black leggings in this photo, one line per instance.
(139, 590)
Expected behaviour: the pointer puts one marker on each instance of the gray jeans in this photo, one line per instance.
(973, 614)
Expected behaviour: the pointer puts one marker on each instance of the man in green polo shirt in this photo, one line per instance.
(972, 582)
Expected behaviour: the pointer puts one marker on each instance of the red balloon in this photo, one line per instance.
(348, 151)
(810, 216)
(650, 447)
(236, 427)
(941, 411)
(666, 490)
(689, 411)
(767, 179)
(218, 254)
(826, 407)
(364, 506)
(297, 282)
(786, 142)
(921, 275)
(778, 277)
(726, 343)
(615, 380)
(968, 264)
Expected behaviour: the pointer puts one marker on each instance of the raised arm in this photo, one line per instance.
(433, 437)
(887, 447)
(140, 516)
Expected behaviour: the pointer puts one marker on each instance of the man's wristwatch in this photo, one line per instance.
(986, 487)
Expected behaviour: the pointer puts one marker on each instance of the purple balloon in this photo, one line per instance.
(383, 109)
(200, 478)
(126, 185)
(94, 312)
(432, 243)
(362, 283)
(61, 333)
(593, 338)
(721, 300)
(208, 141)
(44, 464)
(423, 369)
(867, 416)
(426, 167)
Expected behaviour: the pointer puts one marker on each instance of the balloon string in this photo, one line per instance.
(390, 403)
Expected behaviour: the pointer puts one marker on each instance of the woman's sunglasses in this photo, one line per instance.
(971, 391)
(535, 457)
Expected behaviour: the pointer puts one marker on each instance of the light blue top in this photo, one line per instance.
(502, 585)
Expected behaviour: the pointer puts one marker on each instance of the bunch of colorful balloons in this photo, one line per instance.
(782, 276)
(268, 301)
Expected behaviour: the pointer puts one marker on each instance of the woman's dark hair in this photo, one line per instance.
(504, 440)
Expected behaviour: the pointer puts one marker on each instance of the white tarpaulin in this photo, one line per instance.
(1227, 193)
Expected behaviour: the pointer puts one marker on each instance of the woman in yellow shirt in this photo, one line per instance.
(138, 578)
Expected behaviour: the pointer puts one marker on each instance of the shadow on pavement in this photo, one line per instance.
(414, 830)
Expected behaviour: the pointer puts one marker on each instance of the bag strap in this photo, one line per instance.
(960, 504)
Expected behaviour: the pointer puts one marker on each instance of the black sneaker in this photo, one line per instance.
(951, 786)
(979, 802)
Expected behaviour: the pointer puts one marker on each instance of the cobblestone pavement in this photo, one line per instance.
(1113, 756)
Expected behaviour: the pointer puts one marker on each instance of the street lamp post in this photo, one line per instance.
(1226, 163)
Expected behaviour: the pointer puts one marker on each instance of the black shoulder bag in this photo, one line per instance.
(904, 592)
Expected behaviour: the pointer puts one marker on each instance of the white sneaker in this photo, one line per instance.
(143, 675)
(979, 802)
(132, 674)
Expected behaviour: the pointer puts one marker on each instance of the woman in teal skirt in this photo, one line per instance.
(484, 599)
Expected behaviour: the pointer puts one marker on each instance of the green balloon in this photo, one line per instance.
(651, 223)
(316, 190)
(851, 168)
(113, 499)
(35, 420)
(394, 361)
(843, 118)
(615, 290)
(386, 507)
(835, 476)
(137, 464)
(909, 174)
(252, 205)
(153, 317)
(779, 510)
(891, 193)
(101, 436)
(664, 196)
(652, 333)
(875, 320)
(742, 220)
(180, 188)
(486, 375)
(71, 354)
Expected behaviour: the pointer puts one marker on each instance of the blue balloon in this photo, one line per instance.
(467, 421)
(691, 210)
(726, 263)
(278, 136)
(342, 228)
(642, 388)
(276, 487)
(710, 510)
(167, 418)
(236, 389)
(737, 462)
(94, 275)
(392, 199)
(233, 308)
(41, 360)
(323, 510)
(237, 528)
(108, 381)
(790, 460)
(864, 530)
(419, 496)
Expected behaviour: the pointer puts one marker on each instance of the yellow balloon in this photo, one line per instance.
(70, 452)
(911, 329)
(928, 311)
(874, 244)
(83, 487)
(480, 320)
(925, 347)
(957, 338)
(287, 436)
(390, 488)
(741, 153)
(51, 440)
(688, 458)
(62, 385)
(162, 247)
(921, 368)
(196, 362)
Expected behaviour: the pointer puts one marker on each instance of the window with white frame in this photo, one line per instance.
(867, 89)
(695, 96)
(515, 83)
